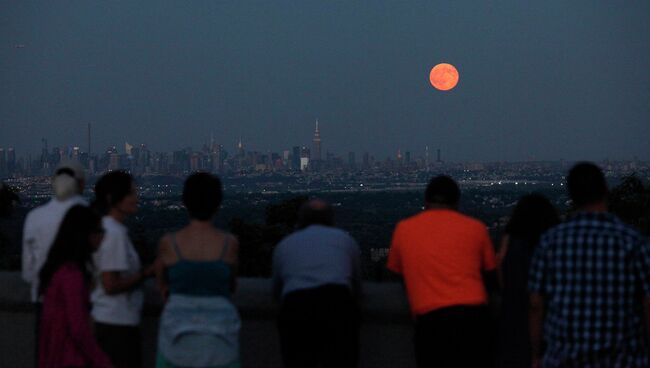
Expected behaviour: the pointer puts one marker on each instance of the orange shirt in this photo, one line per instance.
(441, 255)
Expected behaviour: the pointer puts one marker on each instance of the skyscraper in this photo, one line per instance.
(127, 148)
(352, 161)
(317, 144)
(240, 148)
(426, 157)
(45, 155)
(11, 160)
(113, 161)
(3, 162)
(295, 158)
(304, 158)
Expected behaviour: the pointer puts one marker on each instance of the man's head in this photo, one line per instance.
(315, 212)
(587, 185)
(442, 191)
(69, 179)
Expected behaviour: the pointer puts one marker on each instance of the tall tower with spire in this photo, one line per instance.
(317, 147)
(240, 147)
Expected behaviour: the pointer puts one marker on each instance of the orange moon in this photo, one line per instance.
(444, 76)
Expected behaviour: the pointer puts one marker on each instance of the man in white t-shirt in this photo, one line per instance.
(42, 223)
(117, 254)
(118, 297)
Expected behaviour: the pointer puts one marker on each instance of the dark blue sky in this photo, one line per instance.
(539, 80)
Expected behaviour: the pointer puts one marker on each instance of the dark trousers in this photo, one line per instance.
(122, 344)
(319, 328)
(456, 336)
(38, 307)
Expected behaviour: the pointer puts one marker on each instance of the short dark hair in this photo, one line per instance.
(587, 184)
(532, 216)
(315, 212)
(202, 195)
(442, 189)
(111, 189)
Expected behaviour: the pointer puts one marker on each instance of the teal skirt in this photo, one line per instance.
(161, 362)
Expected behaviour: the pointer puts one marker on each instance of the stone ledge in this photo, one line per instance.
(381, 302)
(385, 339)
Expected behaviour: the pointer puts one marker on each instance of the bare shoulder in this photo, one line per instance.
(233, 241)
(232, 253)
(165, 248)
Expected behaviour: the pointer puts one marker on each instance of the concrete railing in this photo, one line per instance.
(386, 331)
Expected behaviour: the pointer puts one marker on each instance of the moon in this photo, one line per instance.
(444, 77)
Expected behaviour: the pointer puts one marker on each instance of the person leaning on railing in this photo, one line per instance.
(317, 279)
(446, 260)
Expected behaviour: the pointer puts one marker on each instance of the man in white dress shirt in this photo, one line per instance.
(42, 223)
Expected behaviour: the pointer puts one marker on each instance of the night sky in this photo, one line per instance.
(538, 80)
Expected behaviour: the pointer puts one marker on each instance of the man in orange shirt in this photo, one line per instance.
(445, 259)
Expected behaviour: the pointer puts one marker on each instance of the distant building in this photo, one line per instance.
(181, 162)
(295, 158)
(305, 152)
(366, 160)
(317, 144)
(240, 148)
(426, 157)
(11, 161)
(195, 162)
(113, 161)
(216, 159)
(304, 158)
(128, 148)
(352, 161)
(304, 163)
(3, 162)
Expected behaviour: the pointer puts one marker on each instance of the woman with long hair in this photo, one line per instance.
(66, 338)
(196, 271)
(532, 216)
(118, 298)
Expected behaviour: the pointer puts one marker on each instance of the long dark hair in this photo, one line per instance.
(110, 189)
(532, 216)
(72, 244)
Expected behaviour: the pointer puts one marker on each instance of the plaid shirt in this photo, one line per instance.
(593, 272)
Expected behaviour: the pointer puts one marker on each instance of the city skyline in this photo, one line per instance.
(242, 144)
(541, 81)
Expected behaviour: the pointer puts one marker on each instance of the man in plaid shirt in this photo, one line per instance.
(590, 285)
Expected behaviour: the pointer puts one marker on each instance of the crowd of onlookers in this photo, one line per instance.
(573, 294)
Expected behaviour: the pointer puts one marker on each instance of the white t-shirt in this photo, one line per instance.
(41, 227)
(116, 254)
